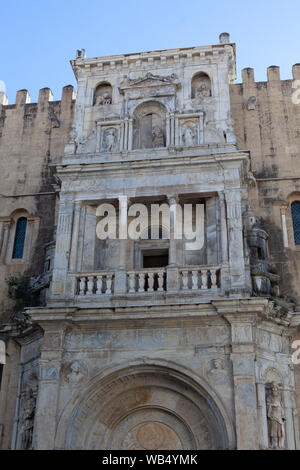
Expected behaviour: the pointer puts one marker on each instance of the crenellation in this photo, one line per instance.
(273, 73)
(22, 97)
(248, 76)
(45, 96)
(296, 71)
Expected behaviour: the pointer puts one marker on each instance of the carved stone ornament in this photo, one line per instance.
(217, 372)
(150, 77)
(75, 373)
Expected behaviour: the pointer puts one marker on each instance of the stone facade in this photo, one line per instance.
(146, 344)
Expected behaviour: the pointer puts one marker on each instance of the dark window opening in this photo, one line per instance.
(156, 260)
(296, 221)
(20, 238)
(1, 373)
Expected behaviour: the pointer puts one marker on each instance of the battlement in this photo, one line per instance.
(45, 96)
(273, 75)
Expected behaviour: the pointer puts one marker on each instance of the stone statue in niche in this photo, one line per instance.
(201, 86)
(203, 91)
(188, 137)
(157, 137)
(28, 420)
(217, 372)
(103, 99)
(103, 94)
(110, 140)
(276, 418)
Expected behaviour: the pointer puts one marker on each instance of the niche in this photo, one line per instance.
(149, 126)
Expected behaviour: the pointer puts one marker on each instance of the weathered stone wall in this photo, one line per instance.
(267, 123)
(32, 138)
(269, 126)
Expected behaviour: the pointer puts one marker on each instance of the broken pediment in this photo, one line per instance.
(148, 80)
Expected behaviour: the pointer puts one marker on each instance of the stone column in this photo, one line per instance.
(172, 130)
(75, 234)
(172, 270)
(46, 416)
(224, 235)
(241, 316)
(283, 209)
(120, 275)
(173, 201)
(130, 134)
(62, 249)
(4, 238)
(236, 245)
(125, 148)
(168, 130)
(262, 416)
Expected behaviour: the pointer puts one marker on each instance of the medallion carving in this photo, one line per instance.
(151, 435)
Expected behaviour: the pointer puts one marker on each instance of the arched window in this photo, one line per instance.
(20, 238)
(296, 221)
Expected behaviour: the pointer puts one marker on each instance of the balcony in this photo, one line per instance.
(149, 282)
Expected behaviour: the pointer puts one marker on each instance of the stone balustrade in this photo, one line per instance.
(143, 281)
(100, 283)
(199, 278)
(147, 280)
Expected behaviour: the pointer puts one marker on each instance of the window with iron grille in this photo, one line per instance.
(20, 238)
(296, 221)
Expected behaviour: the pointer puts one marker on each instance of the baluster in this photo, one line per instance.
(213, 277)
(108, 283)
(204, 278)
(195, 280)
(82, 285)
(141, 282)
(185, 280)
(99, 284)
(90, 285)
(131, 282)
(150, 282)
(160, 276)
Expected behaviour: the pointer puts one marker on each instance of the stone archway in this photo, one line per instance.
(145, 407)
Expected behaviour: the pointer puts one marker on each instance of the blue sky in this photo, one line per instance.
(39, 37)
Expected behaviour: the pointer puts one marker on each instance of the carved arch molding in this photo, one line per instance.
(149, 408)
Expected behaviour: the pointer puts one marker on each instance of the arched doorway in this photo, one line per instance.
(145, 407)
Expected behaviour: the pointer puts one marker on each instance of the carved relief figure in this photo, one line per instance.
(157, 137)
(110, 140)
(276, 418)
(77, 374)
(28, 420)
(188, 137)
(103, 94)
(203, 91)
(230, 133)
(104, 99)
(217, 373)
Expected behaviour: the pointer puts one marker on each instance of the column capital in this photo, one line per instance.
(172, 200)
